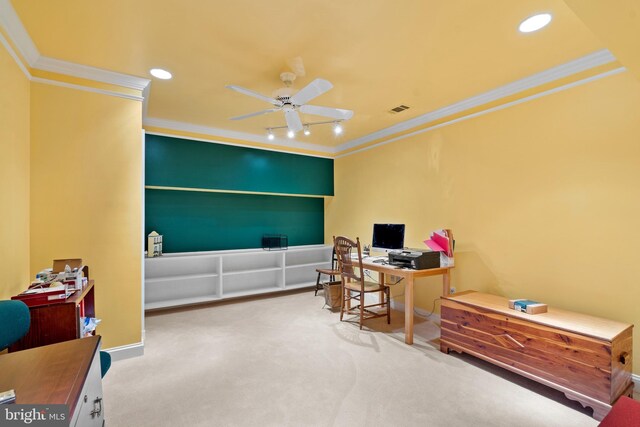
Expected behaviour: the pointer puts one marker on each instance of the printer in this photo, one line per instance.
(417, 259)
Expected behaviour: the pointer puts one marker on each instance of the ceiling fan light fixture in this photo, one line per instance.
(270, 135)
(161, 74)
(337, 128)
(290, 134)
(307, 130)
(535, 23)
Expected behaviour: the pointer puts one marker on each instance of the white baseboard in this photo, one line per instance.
(373, 299)
(126, 351)
(419, 311)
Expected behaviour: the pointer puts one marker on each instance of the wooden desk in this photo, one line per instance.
(58, 321)
(65, 373)
(409, 277)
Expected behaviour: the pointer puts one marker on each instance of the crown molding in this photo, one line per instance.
(11, 23)
(489, 110)
(91, 73)
(216, 132)
(86, 88)
(584, 63)
(15, 56)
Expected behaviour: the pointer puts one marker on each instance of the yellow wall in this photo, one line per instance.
(617, 24)
(14, 177)
(86, 166)
(543, 199)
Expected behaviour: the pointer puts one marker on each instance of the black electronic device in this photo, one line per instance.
(387, 237)
(416, 259)
(271, 242)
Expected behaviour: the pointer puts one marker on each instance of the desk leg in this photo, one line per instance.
(446, 283)
(408, 311)
(381, 281)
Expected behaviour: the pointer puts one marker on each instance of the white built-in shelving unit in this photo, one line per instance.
(196, 277)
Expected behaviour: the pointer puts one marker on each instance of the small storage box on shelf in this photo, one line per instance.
(585, 357)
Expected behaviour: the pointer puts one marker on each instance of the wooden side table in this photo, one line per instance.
(58, 321)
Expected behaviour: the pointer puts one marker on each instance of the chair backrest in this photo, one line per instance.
(14, 322)
(334, 259)
(347, 265)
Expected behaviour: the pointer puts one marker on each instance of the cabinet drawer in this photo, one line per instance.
(90, 407)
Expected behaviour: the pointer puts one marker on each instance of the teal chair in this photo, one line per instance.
(105, 362)
(15, 320)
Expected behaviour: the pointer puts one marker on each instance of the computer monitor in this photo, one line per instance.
(387, 237)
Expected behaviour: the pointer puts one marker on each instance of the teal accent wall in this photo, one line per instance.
(177, 162)
(202, 221)
(193, 221)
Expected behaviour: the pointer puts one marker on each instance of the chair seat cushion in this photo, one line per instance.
(368, 286)
(328, 272)
(625, 413)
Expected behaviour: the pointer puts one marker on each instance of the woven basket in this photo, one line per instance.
(332, 292)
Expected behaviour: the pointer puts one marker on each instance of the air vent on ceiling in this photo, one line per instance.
(398, 109)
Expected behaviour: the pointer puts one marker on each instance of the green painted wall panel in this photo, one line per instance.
(199, 221)
(176, 162)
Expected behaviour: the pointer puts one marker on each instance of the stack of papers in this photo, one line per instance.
(441, 241)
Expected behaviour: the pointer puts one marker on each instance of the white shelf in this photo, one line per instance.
(300, 285)
(179, 277)
(190, 278)
(252, 292)
(257, 270)
(179, 301)
(311, 264)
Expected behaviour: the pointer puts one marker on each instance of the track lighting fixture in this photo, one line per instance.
(306, 129)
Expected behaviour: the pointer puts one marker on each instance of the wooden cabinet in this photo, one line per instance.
(66, 373)
(587, 358)
(58, 321)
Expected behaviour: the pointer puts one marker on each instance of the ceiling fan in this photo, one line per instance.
(287, 100)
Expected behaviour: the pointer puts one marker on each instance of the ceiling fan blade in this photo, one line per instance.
(293, 120)
(255, 94)
(334, 113)
(257, 113)
(310, 91)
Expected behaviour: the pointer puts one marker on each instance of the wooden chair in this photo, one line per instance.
(332, 273)
(354, 287)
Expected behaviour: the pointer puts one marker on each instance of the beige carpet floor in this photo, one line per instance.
(286, 361)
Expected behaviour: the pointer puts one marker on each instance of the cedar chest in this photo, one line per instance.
(585, 357)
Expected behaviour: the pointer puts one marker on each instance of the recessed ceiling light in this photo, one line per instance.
(270, 135)
(307, 131)
(534, 23)
(291, 134)
(337, 128)
(160, 73)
